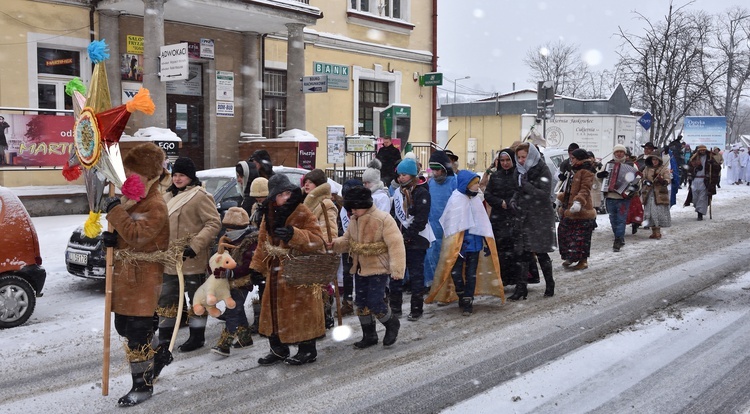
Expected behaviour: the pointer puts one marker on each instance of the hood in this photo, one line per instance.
(463, 178)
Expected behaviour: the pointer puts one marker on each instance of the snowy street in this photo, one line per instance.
(673, 315)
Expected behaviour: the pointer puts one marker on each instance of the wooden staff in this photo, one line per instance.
(335, 279)
(108, 306)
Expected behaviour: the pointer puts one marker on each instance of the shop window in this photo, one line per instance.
(372, 94)
(274, 103)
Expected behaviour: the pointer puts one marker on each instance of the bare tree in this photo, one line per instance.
(730, 58)
(663, 68)
(560, 63)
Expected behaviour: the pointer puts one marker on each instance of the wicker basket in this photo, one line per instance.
(310, 269)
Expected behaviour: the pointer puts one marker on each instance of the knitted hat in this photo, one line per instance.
(619, 147)
(236, 218)
(372, 173)
(357, 197)
(316, 176)
(184, 165)
(439, 160)
(278, 184)
(349, 184)
(580, 154)
(259, 187)
(407, 166)
(145, 159)
(572, 147)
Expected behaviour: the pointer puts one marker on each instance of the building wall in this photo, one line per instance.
(492, 133)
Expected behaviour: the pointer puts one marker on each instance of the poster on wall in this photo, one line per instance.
(207, 48)
(37, 140)
(335, 145)
(129, 89)
(306, 155)
(131, 67)
(225, 109)
(224, 85)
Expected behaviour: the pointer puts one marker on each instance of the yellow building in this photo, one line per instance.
(245, 63)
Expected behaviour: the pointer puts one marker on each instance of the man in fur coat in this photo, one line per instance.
(139, 226)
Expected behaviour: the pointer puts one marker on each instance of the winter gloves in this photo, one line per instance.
(284, 233)
(109, 203)
(189, 253)
(109, 238)
(602, 174)
(576, 207)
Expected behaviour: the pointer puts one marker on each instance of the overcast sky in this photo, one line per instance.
(488, 39)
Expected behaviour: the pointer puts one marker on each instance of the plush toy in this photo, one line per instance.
(216, 288)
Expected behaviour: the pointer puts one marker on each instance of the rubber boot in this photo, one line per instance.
(369, 332)
(279, 352)
(545, 263)
(392, 325)
(224, 346)
(305, 354)
(243, 337)
(166, 327)
(197, 334)
(143, 387)
(256, 317)
(162, 358)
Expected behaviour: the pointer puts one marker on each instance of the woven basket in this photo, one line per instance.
(310, 269)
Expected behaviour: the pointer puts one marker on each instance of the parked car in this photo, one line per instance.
(22, 276)
(85, 257)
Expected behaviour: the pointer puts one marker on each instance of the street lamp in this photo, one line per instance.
(455, 82)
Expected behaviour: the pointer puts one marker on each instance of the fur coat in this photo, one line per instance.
(579, 190)
(293, 313)
(325, 213)
(375, 245)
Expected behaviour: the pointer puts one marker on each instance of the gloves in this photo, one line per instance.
(109, 203)
(284, 233)
(109, 238)
(561, 177)
(189, 253)
(576, 207)
(647, 183)
(602, 174)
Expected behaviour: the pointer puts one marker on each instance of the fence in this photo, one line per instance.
(356, 163)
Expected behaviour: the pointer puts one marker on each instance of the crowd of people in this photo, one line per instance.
(443, 239)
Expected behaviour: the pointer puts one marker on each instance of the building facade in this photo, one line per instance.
(247, 60)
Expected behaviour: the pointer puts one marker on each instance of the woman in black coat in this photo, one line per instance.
(498, 194)
(535, 219)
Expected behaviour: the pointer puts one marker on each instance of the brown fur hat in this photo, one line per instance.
(236, 218)
(145, 159)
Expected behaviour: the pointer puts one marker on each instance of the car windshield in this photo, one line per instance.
(212, 184)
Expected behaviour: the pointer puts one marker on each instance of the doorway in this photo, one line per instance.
(185, 118)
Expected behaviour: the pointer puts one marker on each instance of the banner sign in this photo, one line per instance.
(38, 140)
(306, 155)
(710, 131)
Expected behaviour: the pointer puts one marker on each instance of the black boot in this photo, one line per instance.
(166, 328)
(195, 341)
(392, 325)
(700, 217)
(467, 306)
(142, 388)
(162, 358)
(305, 355)
(520, 293)
(533, 272)
(279, 352)
(546, 264)
(224, 346)
(369, 333)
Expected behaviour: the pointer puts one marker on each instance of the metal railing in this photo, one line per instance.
(356, 162)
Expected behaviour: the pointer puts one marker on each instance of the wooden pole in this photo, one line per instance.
(107, 307)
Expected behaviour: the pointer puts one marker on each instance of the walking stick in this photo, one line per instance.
(107, 307)
(335, 281)
(180, 303)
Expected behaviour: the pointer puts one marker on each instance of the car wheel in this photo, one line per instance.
(17, 301)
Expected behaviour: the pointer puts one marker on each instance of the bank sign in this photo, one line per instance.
(338, 75)
(710, 131)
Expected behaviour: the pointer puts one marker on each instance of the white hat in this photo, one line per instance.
(619, 147)
(372, 173)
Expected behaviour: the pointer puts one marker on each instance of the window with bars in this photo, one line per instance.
(274, 103)
(372, 94)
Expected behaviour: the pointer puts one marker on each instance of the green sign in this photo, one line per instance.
(431, 79)
(338, 75)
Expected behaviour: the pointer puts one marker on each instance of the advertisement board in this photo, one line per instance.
(710, 131)
(38, 140)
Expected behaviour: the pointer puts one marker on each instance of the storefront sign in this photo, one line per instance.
(134, 44)
(335, 145)
(192, 86)
(224, 85)
(225, 109)
(38, 140)
(338, 75)
(174, 62)
(306, 155)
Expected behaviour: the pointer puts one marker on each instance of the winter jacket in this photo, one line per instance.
(501, 188)
(660, 178)
(534, 229)
(579, 190)
(419, 208)
(322, 194)
(389, 156)
(193, 212)
(375, 245)
(293, 313)
(142, 228)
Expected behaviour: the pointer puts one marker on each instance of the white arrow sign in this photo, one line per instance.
(174, 62)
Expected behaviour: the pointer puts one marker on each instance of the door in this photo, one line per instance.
(185, 118)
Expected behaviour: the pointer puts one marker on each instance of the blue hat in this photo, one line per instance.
(407, 166)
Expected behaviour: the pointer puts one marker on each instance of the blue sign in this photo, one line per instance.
(645, 121)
